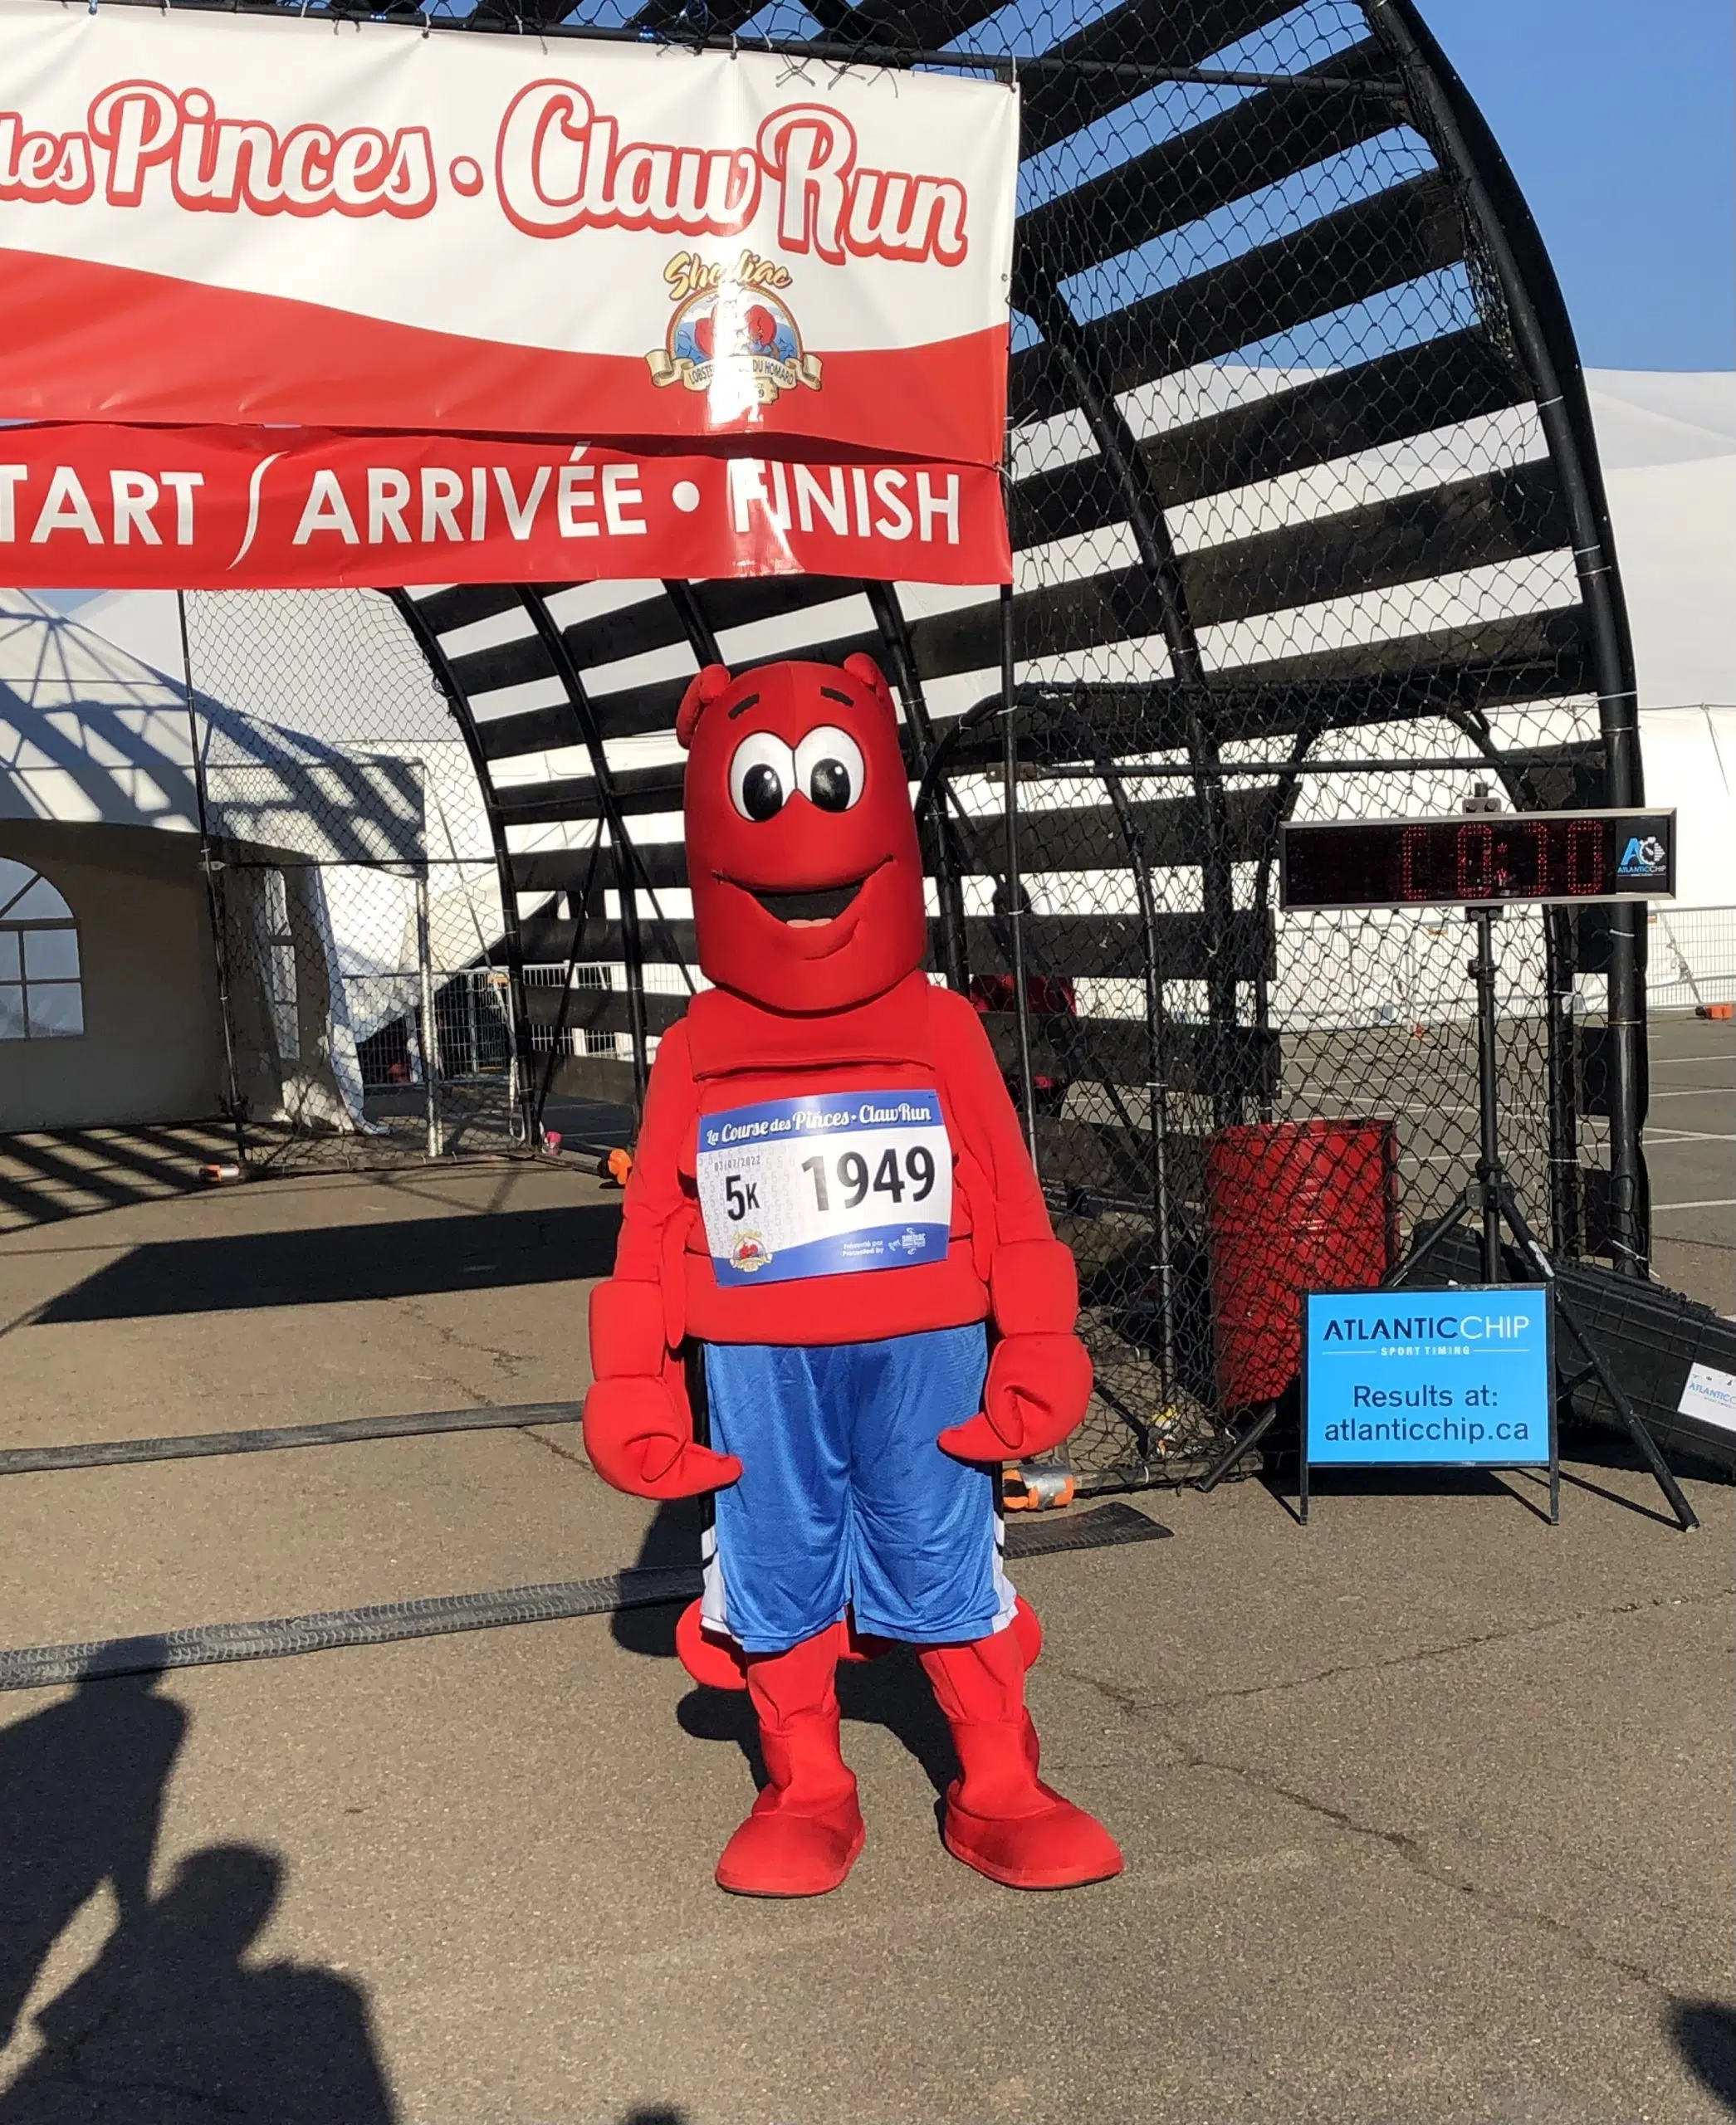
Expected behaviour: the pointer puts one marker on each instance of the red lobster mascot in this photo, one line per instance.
(831, 1209)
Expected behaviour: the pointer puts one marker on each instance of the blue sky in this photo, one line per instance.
(1619, 118)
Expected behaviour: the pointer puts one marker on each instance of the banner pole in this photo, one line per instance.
(428, 1032)
(208, 870)
(1014, 884)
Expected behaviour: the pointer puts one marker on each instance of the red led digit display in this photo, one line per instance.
(1474, 860)
(1479, 859)
(1538, 836)
(1587, 860)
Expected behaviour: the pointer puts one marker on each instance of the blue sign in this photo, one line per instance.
(1428, 1378)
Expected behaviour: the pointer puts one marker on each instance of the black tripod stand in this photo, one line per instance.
(1489, 1201)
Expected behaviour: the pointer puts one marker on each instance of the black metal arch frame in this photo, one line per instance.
(1398, 71)
(1123, 649)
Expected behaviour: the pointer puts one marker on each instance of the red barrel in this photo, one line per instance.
(1291, 1207)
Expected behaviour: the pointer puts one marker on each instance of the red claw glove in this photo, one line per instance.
(638, 1430)
(640, 1440)
(1036, 1393)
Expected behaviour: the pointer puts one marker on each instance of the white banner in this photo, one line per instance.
(209, 218)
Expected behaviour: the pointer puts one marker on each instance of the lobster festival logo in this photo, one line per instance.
(750, 1251)
(731, 333)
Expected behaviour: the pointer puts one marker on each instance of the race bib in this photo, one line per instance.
(825, 1186)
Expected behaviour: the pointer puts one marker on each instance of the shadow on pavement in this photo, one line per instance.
(389, 1258)
(68, 1172)
(892, 1692)
(81, 1792)
(671, 1539)
(1705, 2035)
(169, 2024)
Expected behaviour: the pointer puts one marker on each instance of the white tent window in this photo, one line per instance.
(42, 996)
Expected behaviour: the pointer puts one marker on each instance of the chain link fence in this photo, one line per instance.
(368, 996)
(1330, 1060)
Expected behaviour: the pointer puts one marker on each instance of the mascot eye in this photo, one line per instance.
(828, 768)
(762, 776)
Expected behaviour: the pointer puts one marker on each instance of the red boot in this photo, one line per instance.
(805, 1829)
(1001, 1819)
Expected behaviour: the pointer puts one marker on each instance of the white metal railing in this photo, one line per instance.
(1692, 957)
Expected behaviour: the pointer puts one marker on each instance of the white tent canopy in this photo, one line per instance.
(1668, 443)
(91, 734)
(291, 658)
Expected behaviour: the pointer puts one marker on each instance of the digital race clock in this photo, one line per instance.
(1478, 859)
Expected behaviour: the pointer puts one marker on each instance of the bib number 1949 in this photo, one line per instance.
(825, 1186)
(894, 1178)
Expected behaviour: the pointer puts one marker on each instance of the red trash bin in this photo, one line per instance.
(1291, 1207)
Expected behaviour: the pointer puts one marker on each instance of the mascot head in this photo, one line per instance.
(801, 845)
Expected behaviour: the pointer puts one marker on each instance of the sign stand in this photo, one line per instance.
(1489, 1200)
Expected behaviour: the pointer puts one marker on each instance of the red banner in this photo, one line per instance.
(103, 507)
(243, 217)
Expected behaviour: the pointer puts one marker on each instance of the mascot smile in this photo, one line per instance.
(833, 1236)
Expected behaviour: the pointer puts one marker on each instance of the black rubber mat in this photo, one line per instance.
(202, 1645)
(1103, 1528)
(276, 1439)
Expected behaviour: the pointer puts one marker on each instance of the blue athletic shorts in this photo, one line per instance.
(845, 1501)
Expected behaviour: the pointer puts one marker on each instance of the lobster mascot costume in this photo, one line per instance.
(831, 1208)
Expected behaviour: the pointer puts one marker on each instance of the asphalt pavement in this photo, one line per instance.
(1425, 1808)
(1690, 1151)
